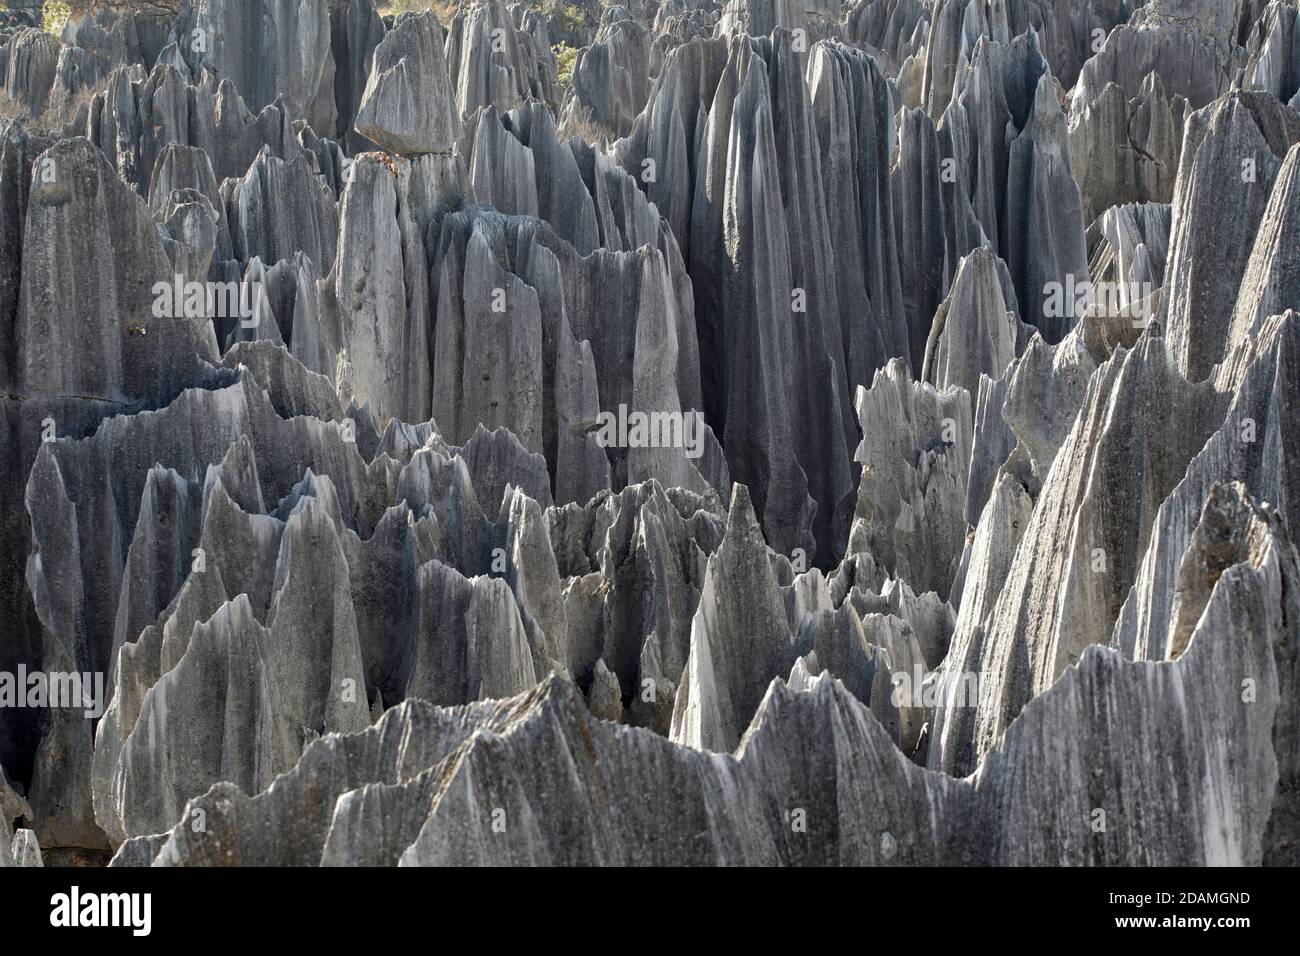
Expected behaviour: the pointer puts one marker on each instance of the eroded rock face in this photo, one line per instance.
(273, 49)
(800, 438)
(393, 796)
(1233, 150)
(1192, 47)
(1009, 141)
(495, 61)
(31, 57)
(915, 454)
(406, 106)
(1125, 150)
(1271, 62)
(976, 330)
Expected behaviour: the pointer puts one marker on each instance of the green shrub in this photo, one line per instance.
(444, 10)
(565, 57)
(565, 16)
(55, 16)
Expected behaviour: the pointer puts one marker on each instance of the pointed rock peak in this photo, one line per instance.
(234, 616)
(202, 593)
(1153, 88)
(26, 849)
(238, 477)
(157, 478)
(408, 105)
(555, 694)
(816, 695)
(1233, 529)
(498, 458)
(312, 527)
(313, 491)
(400, 440)
(754, 83)
(1047, 120)
(741, 521)
(45, 475)
(1243, 111)
(804, 672)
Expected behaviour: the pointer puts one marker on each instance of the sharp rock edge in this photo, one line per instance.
(901, 549)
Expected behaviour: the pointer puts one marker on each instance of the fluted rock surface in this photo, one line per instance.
(513, 782)
(493, 62)
(406, 106)
(761, 432)
(1233, 150)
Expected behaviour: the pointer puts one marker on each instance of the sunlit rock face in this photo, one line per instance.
(702, 433)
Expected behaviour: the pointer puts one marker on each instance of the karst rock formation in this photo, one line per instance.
(670, 432)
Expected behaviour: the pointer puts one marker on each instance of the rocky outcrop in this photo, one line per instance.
(976, 330)
(1129, 254)
(279, 209)
(1273, 54)
(1103, 545)
(915, 454)
(1012, 163)
(355, 30)
(896, 29)
(1232, 153)
(135, 118)
(803, 439)
(406, 106)
(275, 49)
(612, 77)
(401, 795)
(1126, 150)
(518, 354)
(30, 59)
(495, 63)
(1191, 46)
(739, 639)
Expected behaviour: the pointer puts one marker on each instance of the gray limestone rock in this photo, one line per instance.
(1270, 284)
(271, 49)
(407, 104)
(761, 17)
(1252, 444)
(26, 850)
(12, 804)
(506, 290)
(80, 212)
(355, 30)
(495, 63)
(634, 566)
(1008, 135)
(896, 29)
(1126, 150)
(1189, 45)
(1085, 539)
(281, 208)
(381, 291)
(612, 76)
(415, 552)
(606, 698)
(915, 454)
(976, 331)
(920, 228)
(30, 61)
(538, 780)
(1233, 150)
(135, 118)
(1273, 53)
(740, 639)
